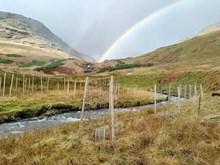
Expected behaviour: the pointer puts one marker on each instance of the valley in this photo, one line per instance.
(41, 76)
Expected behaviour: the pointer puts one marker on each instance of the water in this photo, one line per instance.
(7, 129)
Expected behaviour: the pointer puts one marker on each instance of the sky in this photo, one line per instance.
(106, 29)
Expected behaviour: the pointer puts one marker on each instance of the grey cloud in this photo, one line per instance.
(92, 26)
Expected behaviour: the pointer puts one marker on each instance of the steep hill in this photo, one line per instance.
(198, 50)
(31, 40)
(196, 60)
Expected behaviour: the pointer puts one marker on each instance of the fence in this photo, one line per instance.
(95, 89)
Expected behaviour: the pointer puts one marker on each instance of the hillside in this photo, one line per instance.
(198, 50)
(23, 40)
(196, 60)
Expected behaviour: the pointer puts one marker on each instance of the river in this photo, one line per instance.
(12, 128)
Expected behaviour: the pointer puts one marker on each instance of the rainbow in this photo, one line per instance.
(138, 24)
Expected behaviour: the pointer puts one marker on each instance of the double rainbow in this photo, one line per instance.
(134, 27)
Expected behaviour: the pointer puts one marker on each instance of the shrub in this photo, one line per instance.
(119, 66)
(13, 55)
(6, 61)
(32, 63)
(53, 64)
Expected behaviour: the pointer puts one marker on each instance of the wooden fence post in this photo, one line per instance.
(0, 84)
(111, 107)
(68, 88)
(84, 99)
(199, 108)
(32, 88)
(48, 83)
(185, 91)
(29, 84)
(41, 84)
(201, 90)
(25, 85)
(100, 89)
(64, 84)
(11, 86)
(5, 75)
(58, 86)
(74, 90)
(190, 91)
(169, 93)
(155, 99)
(16, 84)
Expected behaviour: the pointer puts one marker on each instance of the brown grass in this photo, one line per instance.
(29, 53)
(143, 138)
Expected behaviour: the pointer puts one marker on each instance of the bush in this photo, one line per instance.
(13, 55)
(6, 61)
(53, 64)
(118, 67)
(32, 63)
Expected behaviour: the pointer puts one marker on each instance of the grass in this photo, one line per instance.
(37, 104)
(209, 79)
(142, 138)
(6, 61)
(31, 104)
(32, 63)
(195, 50)
(119, 67)
(143, 81)
(52, 65)
(13, 55)
(55, 102)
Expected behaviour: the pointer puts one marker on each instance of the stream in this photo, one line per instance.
(42, 122)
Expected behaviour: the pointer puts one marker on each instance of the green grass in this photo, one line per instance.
(53, 102)
(209, 80)
(32, 63)
(35, 105)
(13, 55)
(52, 65)
(6, 61)
(118, 67)
(121, 65)
(144, 81)
(190, 78)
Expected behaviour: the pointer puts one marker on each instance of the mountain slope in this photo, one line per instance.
(31, 41)
(198, 51)
(27, 31)
(193, 61)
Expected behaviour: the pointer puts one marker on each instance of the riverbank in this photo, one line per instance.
(142, 138)
(16, 108)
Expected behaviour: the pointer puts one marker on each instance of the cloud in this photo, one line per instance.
(92, 26)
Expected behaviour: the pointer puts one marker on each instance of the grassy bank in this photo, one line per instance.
(209, 80)
(36, 105)
(54, 102)
(142, 138)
